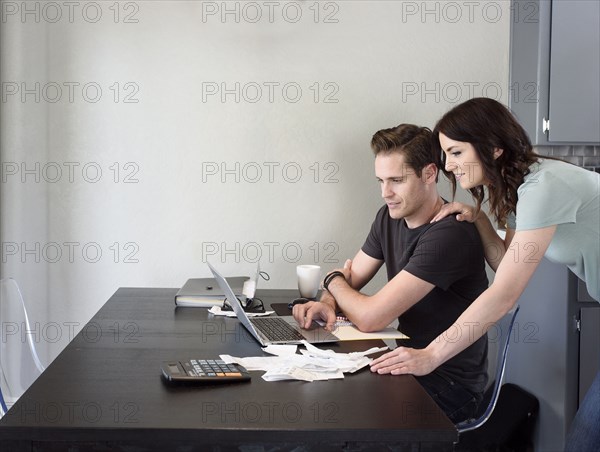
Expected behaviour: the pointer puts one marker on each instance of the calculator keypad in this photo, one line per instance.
(213, 368)
(205, 370)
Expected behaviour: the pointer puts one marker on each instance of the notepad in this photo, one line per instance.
(341, 321)
(351, 333)
(345, 330)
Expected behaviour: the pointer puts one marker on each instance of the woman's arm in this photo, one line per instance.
(514, 272)
(494, 247)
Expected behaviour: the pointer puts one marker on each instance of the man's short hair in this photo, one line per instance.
(412, 141)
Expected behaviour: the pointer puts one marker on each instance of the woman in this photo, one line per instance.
(549, 207)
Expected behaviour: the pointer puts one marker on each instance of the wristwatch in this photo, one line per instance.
(330, 278)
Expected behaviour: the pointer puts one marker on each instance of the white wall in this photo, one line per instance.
(364, 59)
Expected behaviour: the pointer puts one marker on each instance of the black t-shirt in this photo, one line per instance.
(448, 254)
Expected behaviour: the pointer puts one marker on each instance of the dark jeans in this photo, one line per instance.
(584, 434)
(458, 403)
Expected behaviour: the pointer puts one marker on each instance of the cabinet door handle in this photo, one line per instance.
(545, 125)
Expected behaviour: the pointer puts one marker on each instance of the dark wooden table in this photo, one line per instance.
(105, 392)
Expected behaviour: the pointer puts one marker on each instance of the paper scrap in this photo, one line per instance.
(312, 364)
(280, 349)
(289, 373)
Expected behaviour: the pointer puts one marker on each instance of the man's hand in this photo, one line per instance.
(305, 313)
(464, 212)
(404, 360)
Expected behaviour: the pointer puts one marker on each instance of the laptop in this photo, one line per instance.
(273, 330)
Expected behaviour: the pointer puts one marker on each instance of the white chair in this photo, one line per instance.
(19, 361)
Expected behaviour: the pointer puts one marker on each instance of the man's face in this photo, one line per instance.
(401, 189)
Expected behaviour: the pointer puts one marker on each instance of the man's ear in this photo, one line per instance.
(429, 173)
(497, 153)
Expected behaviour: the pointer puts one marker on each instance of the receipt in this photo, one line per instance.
(312, 364)
(314, 351)
(280, 349)
(253, 362)
(289, 373)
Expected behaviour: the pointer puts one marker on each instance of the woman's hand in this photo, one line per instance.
(404, 360)
(464, 212)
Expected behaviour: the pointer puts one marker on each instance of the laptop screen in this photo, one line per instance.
(234, 302)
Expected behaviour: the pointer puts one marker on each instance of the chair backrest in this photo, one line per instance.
(502, 332)
(19, 361)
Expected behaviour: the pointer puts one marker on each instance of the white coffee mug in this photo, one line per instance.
(309, 280)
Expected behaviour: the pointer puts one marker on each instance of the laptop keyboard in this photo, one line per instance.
(276, 329)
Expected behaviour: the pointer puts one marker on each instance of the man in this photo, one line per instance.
(435, 270)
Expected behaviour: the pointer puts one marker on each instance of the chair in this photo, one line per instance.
(504, 329)
(19, 362)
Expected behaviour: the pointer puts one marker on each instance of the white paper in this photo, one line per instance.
(315, 351)
(280, 349)
(289, 373)
(253, 362)
(312, 364)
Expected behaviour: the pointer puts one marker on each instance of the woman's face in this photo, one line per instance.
(462, 160)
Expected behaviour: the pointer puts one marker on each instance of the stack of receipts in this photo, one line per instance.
(313, 363)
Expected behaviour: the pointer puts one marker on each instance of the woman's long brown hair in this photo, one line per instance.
(488, 125)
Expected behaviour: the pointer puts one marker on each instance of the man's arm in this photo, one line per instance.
(374, 313)
(364, 267)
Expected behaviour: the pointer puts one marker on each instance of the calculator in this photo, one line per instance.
(203, 371)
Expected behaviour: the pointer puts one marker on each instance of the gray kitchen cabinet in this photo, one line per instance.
(555, 70)
(589, 348)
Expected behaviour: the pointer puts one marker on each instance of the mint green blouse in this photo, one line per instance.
(565, 195)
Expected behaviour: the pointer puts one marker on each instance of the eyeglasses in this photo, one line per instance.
(249, 305)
